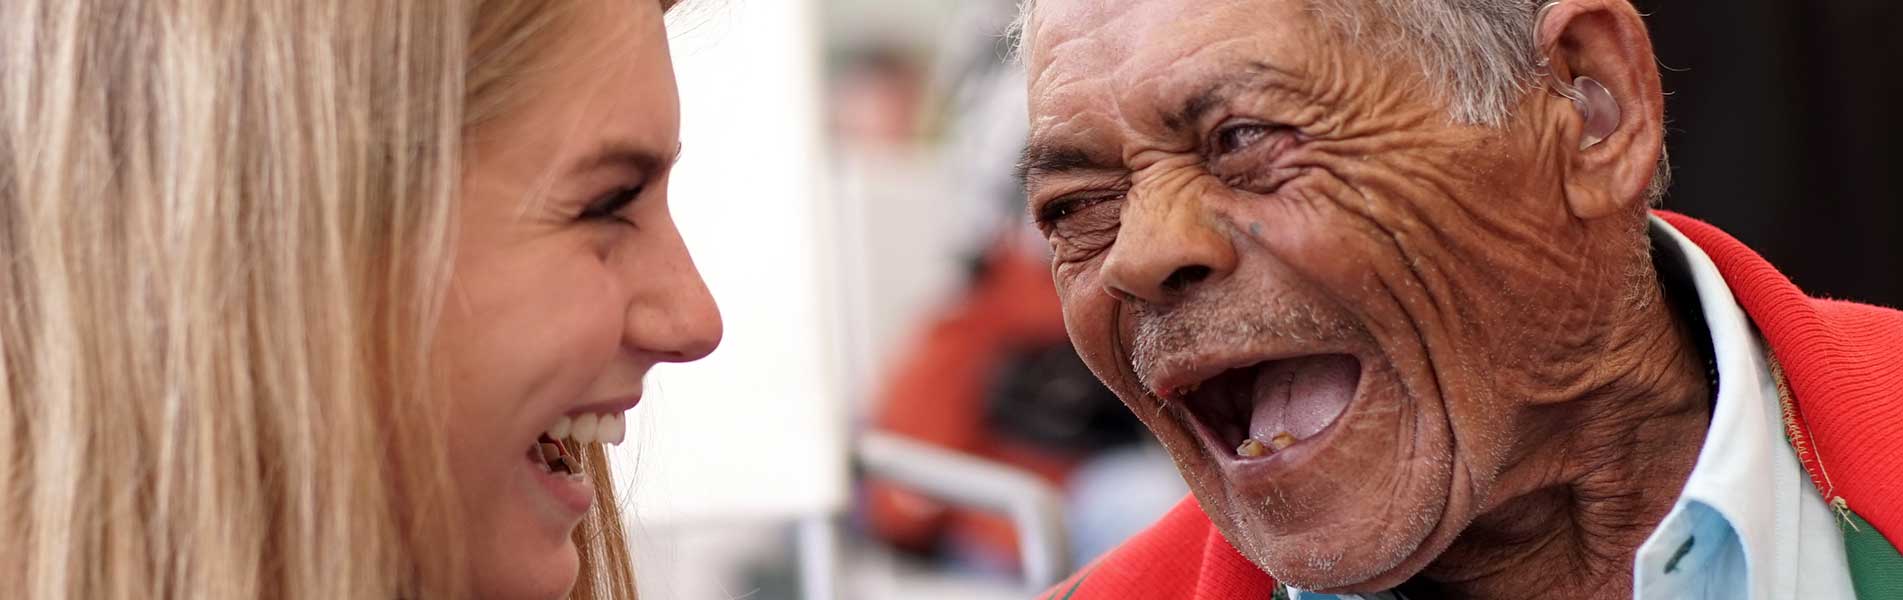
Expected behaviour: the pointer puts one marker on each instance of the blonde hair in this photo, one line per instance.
(225, 231)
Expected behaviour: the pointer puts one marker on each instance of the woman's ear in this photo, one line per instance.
(1599, 58)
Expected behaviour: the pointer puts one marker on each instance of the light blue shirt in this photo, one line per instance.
(1749, 525)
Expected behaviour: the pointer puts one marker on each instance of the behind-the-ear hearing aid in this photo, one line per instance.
(1595, 103)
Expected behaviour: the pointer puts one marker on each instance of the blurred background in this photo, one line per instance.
(895, 411)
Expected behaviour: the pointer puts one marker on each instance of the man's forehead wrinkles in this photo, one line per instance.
(1060, 23)
(1070, 109)
(1079, 54)
(1193, 66)
(1112, 81)
(1071, 101)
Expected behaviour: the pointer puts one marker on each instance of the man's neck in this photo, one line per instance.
(1578, 511)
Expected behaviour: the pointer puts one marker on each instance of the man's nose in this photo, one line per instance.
(1166, 245)
(675, 319)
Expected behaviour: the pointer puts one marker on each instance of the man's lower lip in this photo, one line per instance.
(1248, 472)
(575, 494)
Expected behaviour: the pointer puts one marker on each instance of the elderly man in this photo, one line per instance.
(1381, 275)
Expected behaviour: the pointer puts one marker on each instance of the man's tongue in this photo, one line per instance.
(1302, 396)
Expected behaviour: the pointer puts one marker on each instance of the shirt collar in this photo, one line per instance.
(1738, 475)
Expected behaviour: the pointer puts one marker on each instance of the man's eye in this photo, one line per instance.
(1056, 211)
(609, 206)
(1241, 136)
(1059, 210)
(1081, 227)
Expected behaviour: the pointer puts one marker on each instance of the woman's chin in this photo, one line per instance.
(513, 573)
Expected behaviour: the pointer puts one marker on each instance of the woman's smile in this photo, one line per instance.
(554, 458)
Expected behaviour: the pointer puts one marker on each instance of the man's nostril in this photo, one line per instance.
(1185, 277)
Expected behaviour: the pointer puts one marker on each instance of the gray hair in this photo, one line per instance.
(1481, 56)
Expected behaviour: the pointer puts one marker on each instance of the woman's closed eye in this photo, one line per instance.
(611, 206)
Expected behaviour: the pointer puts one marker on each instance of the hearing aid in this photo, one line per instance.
(1597, 108)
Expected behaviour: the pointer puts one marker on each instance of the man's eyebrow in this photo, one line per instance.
(1044, 159)
(1251, 76)
(1199, 104)
(628, 155)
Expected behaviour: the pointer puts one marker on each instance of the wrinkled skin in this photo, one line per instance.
(1227, 183)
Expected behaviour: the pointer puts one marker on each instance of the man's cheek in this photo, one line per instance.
(1089, 319)
(1323, 247)
(1080, 295)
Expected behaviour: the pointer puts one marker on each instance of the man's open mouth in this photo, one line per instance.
(1254, 412)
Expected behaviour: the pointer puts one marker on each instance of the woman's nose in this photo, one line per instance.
(673, 316)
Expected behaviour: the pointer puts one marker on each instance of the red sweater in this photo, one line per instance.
(1844, 362)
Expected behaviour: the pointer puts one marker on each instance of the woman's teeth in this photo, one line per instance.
(605, 428)
(559, 447)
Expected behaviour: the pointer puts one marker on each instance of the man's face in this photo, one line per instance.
(1243, 203)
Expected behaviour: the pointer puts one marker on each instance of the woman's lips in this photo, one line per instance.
(571, 490)
(555, 456)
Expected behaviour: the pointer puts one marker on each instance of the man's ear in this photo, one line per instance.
(1619, 99)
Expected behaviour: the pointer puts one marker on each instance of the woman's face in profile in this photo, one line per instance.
(570, 283)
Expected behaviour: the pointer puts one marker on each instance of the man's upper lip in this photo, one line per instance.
(1194, 371)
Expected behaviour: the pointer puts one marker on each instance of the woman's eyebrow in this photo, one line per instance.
(624, 154)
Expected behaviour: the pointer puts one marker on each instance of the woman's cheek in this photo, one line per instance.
(597, 307)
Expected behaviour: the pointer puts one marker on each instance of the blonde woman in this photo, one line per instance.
(331, 299)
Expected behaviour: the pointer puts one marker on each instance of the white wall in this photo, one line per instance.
(757, 429)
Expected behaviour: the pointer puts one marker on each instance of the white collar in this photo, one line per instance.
(1746, 472)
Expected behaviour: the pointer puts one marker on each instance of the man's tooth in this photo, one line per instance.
(1282, 441)
(550, 452)
(614, 428)
(1251, 448)
(584, 429)
(1182, 393)
(573, 466)
(560, 429)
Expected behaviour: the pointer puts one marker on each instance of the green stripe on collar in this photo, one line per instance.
(1876, 568)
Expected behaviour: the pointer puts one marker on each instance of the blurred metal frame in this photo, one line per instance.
(1034, 507)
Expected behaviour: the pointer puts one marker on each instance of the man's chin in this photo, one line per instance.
(1355, 508)
(1333, 567)
(1337, 553)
